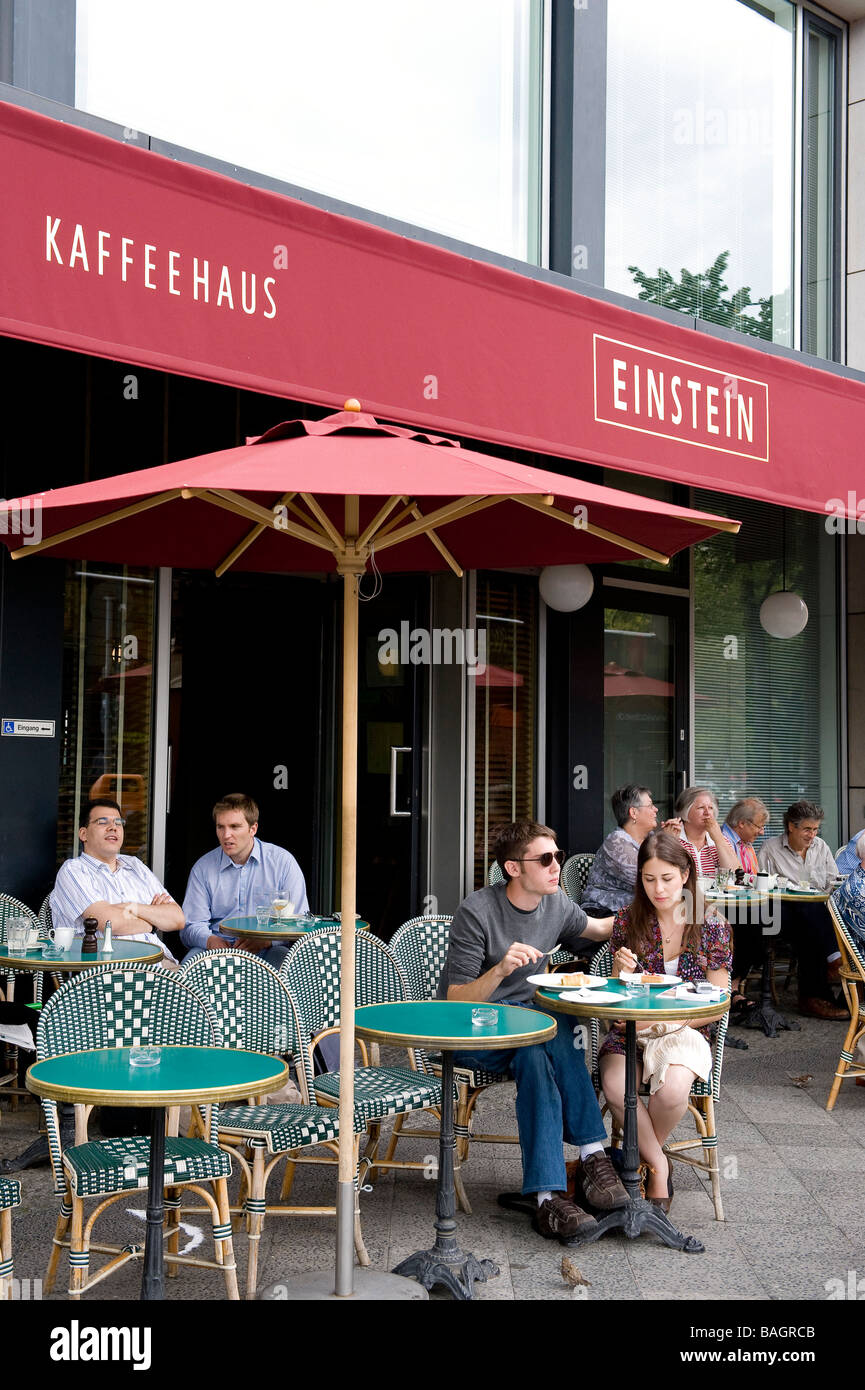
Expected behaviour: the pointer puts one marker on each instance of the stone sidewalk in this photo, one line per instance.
(792, 1179)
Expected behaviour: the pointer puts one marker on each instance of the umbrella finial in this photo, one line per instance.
(352, 404)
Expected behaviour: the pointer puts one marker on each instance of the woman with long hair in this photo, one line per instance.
(659, 933)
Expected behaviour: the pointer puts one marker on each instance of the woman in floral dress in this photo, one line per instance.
(655, 935)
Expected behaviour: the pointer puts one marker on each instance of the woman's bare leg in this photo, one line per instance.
(612, 1069)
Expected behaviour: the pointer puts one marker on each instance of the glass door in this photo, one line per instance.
(645, 697)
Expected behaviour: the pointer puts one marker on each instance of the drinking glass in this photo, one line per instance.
(17, 933)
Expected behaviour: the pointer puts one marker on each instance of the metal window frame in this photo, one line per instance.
(831, 28)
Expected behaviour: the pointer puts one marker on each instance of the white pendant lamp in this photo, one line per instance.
(784, 614)
(566, 587)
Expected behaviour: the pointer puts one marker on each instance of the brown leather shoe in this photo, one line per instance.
(821, 1008)
(602, 1187)
(558, 1218)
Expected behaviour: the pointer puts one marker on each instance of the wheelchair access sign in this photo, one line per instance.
(27, 728)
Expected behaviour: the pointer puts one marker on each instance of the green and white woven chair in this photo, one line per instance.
(116, 1006)
(420, 948)
(12, 907)
(495, 874)
(575, 875)
(10, 1196)
(852, 970)
(701, 1103)
(312, 972)
(253, 1009)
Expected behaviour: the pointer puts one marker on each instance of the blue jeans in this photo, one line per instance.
(556, 1102)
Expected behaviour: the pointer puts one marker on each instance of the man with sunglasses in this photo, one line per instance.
(108, 885)
(501, 935)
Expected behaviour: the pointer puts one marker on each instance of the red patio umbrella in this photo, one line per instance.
(344, 494)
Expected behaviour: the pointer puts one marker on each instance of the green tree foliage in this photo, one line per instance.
(705, 296)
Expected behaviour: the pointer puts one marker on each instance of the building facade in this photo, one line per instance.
(624, 245)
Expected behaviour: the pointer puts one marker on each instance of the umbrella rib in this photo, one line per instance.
(144, 505)
(464, 506)
(253, 535)
(567, 517)
(323, 519)
(440, 545)
(398, 518)
(369, 531)
(242, 506)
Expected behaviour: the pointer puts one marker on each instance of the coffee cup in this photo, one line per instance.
(766, 881)
(63, 937)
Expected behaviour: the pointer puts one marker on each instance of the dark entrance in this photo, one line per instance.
(250, 665)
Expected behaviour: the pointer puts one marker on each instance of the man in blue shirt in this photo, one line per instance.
(232, 880)
(847, 858)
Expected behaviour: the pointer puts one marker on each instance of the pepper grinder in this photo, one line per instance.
(90, 945)
(107, 939)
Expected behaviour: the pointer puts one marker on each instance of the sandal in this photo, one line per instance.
(741, 1004)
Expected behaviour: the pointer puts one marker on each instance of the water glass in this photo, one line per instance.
(263, 915)
(17, 934)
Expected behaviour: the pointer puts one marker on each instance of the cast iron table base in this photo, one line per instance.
(639, 1215)
(153, 1273)
(446, 1263)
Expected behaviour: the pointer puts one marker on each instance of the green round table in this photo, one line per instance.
(446, 1024)
(141, 952)
(639, 1215)
(281, 928)
(183, 1075)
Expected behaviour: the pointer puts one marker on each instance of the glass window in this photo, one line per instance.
(765, 708)
(108, 686)
(430, 114)
(505, 708)
(639, 707)
(699, 159)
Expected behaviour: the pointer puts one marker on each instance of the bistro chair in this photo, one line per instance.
(312, 972)
(12, 907)
(701, 1103)
(253, 1009)
(495, 874)
(10, 1196)
(575, 875)
(420, 948)
(852, 970)
(120, 1007)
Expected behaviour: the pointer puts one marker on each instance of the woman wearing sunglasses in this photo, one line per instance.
(658, 933)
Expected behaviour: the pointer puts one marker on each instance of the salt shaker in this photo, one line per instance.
(107, 940)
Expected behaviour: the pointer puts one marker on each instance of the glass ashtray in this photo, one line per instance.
(144, 1056)
(52, 952)
(484, 1018)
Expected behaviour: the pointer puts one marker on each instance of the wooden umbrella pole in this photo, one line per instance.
(351, 566)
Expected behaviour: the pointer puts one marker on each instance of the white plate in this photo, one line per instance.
(661, 982)
(595, 996)
(553, 981)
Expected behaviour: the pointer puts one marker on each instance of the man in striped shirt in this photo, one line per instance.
(110, 886)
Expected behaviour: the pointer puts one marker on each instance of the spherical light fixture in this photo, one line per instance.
(566, 587)
(784, 614)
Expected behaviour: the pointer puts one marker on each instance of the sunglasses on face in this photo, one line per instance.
(545, 860)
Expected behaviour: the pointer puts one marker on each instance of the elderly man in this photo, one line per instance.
(745, 823)
(847, 858)
(801, 856)
(498, 938)
(232, 879)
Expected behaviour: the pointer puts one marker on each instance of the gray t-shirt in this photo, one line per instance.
(486, 923)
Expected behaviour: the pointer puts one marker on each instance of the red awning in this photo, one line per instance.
(112, 250)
